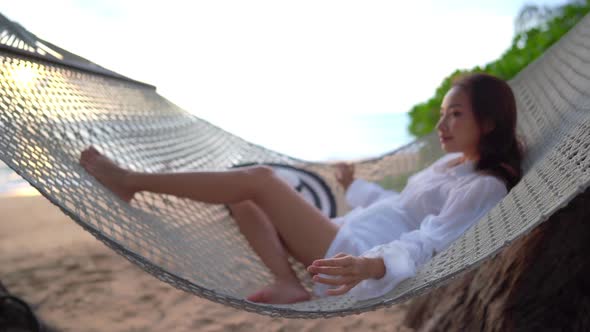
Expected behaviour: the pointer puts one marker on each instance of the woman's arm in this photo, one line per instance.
(359, 192)
(401, 258)
(364, 193)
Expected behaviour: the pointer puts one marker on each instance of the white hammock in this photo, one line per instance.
(53, 104)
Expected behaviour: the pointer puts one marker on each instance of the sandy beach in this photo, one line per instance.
(76, 283)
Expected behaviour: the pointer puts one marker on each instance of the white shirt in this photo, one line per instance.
(406, 229)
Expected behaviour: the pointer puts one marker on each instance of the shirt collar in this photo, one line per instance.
(465, 167)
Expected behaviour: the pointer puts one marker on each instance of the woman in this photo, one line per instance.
(388, 235)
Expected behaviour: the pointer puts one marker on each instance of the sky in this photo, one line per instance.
(285, 74)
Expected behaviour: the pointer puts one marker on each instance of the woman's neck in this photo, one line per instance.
(461, 160)
(474, 157)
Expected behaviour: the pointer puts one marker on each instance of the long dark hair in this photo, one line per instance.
(492, 101)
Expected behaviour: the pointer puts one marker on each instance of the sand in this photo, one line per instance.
(78, 284)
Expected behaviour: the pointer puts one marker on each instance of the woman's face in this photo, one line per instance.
(457, 128)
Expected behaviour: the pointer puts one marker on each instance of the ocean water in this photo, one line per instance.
(327, 138)
(10, 182)
(343, 137)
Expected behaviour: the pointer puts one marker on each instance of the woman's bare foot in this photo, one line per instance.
(280, 292)
(107, 172)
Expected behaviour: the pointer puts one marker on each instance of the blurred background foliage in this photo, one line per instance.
(536, 29)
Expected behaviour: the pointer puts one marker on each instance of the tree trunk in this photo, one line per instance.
(539, 282)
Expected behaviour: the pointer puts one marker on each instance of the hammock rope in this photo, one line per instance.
(51, 108)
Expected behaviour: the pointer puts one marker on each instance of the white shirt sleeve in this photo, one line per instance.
(363, 193)
(464, 207)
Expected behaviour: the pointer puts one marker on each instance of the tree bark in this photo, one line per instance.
(540, 282)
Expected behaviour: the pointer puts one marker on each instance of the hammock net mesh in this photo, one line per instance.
(50, 111)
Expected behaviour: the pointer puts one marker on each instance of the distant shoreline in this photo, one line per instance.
(21, 189)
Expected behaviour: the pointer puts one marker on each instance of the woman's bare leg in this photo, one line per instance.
(264, 239)
(306, 232)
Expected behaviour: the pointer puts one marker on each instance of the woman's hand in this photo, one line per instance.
(346, 271)
(344, 174)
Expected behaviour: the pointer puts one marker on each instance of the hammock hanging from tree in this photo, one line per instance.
(53, 104)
